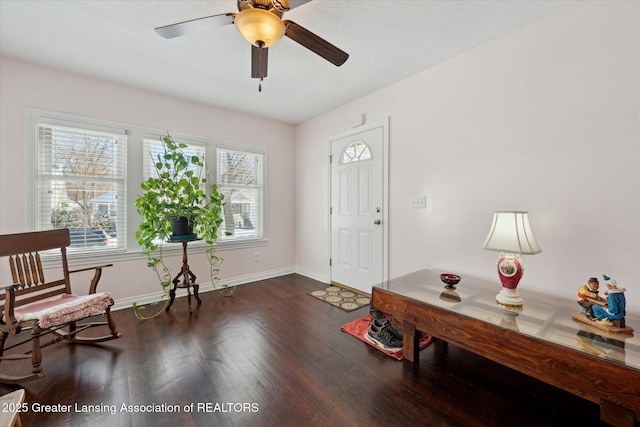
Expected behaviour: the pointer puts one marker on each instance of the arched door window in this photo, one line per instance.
(355, 152)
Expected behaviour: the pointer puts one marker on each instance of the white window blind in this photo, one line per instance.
(240, 177)
(154, 148)
(80, 180)
(81, 173)
(154, 152)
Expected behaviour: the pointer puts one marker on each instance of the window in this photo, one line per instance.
(355, 152)
(154, 153)
(240, 179)
(153, 148)
(80, 184)
(87, 174)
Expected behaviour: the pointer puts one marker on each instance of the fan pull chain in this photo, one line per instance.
(260, 84)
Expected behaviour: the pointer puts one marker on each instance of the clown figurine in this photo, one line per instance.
(614, 312)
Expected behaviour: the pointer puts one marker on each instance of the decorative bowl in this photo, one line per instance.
(450, 280)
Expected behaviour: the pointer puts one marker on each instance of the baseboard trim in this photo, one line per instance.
(312, 274)
(204, 287)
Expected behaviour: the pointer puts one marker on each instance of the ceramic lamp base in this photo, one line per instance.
(509, 298)
(510, 271)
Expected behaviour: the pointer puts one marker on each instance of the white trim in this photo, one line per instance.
(385, 202)
(207, 287)
(312, 274)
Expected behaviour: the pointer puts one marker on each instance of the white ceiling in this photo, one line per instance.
(388, 41)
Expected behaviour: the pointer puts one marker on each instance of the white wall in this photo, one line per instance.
(544, 119)
(25, 85)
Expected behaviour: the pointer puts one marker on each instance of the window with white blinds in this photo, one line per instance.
(240, 177)
(80, 184)
(86, 174)
(154, 151)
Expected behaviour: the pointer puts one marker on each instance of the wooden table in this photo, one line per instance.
(541, 340)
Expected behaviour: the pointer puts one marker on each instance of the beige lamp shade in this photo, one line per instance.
(510, 232)
(260, 27)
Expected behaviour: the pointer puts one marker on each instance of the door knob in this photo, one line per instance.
(377, 222)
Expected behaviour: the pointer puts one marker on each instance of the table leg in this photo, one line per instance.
(196, 289)
(172, 296)
(410, 342)
(189, 298)
(172, 291)
(616, 415)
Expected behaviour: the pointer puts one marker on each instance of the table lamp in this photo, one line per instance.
(511, 235)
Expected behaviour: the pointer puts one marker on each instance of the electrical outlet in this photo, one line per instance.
(256, 256)
(418, 202)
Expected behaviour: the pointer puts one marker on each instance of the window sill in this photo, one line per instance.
(169, 249)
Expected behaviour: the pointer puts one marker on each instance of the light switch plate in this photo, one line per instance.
(418, 202)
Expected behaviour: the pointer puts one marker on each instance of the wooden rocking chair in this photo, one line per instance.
(37, 307)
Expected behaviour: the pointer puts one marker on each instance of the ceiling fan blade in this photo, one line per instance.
(295, 3)
(314, 43)
(259, 57)
(195, 25)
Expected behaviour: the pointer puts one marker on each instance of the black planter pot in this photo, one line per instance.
(181, 228)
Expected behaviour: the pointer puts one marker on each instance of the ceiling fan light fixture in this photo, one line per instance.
(259, 25)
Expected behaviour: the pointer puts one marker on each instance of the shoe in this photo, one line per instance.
(396, 329)
(380, 337)
(380, 319)
(377, 315)
(605, 322)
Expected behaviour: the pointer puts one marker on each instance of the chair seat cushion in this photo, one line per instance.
(61, 309)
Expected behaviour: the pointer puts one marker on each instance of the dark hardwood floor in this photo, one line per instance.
(271, 355)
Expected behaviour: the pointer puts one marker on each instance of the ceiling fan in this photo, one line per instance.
(261, 23)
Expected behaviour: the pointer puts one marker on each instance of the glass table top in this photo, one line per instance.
(542, 316)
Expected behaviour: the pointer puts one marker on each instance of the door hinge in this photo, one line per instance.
(331, 210)
(330, 158)
(330, 262)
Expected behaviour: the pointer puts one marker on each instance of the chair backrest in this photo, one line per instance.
(23, 250)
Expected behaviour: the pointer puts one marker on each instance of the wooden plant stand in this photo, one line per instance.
(185, 279)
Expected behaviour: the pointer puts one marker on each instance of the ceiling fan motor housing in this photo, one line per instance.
(277, 7)
(261, 28)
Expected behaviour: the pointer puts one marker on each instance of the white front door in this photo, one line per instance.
(358, 225)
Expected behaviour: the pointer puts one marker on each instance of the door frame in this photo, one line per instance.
(384, 124)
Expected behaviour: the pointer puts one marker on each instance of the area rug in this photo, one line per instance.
(359, 327)
(345, 299)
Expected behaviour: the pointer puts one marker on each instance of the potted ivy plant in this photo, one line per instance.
(177, 195)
